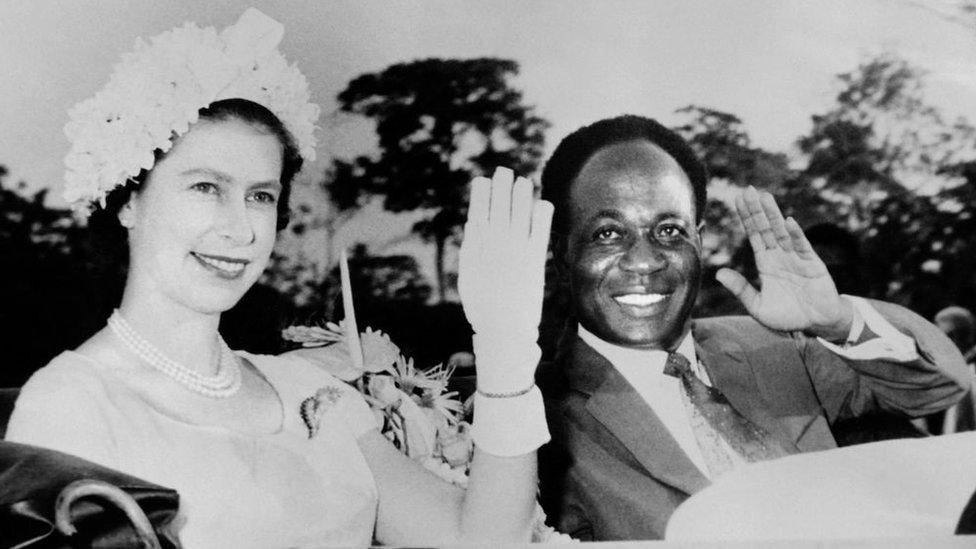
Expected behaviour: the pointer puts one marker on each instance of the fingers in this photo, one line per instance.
(763, 221)
(739, 286)
(479, 201)
(752, 232)
(522, 205)
(541, 222)
(777, 224)
(500, 211)
(799, 240)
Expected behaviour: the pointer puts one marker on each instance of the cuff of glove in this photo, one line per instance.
(509, 427)
(505, 364)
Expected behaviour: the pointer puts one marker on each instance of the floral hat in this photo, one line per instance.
(156, 91)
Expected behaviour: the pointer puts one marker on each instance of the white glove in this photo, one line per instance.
(501, 275)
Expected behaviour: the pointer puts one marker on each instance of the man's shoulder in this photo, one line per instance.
(733, 326)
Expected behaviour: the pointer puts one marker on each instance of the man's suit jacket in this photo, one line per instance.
(613, 471)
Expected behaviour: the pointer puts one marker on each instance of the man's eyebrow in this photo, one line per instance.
(208, 173)
(618, 216)
(612, 214)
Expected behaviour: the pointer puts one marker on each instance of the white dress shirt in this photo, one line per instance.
(644, 370)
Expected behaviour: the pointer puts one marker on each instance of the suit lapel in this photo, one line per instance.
(621, 410)
(728, 367)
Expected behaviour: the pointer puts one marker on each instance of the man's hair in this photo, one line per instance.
(962, 325)
(577, 148)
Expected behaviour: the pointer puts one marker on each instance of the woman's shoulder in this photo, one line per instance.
(86, 368)
(300, 379)
(290, 368)
(70, 371)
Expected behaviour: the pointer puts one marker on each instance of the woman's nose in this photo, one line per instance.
(234, 224)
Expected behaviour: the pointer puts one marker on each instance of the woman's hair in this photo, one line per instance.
(109, 240)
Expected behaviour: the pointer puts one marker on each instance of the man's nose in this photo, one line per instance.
(643, 256)
(233, 223)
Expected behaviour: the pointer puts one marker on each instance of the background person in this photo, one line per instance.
(958, 323)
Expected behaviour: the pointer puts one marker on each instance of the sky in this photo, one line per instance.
(771, 62)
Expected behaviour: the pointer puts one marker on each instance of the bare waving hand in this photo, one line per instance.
(797, 292)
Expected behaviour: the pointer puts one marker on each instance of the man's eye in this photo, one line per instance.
(670, 231)
(206, 187)
(606, 234)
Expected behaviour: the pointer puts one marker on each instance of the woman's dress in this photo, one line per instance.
(281, 489)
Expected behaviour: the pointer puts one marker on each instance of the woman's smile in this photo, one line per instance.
(224, 267)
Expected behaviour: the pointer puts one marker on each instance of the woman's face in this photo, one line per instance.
(202, 226)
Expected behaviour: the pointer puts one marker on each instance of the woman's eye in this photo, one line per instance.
(264, 197)
(206, 187)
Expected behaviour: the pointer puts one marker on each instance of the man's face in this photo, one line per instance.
(633, 252)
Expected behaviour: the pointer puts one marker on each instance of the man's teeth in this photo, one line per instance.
(639, 300)
(229, 266)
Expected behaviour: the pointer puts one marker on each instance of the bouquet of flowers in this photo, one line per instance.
(412, 407)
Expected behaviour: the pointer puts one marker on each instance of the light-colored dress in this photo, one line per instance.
(236, 490)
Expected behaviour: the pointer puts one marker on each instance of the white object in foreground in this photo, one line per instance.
(896, 488)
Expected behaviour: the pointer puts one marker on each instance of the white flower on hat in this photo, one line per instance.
(156, 91)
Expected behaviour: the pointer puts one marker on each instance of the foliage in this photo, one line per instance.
(46, 286)
(439, 123)
(881, 163)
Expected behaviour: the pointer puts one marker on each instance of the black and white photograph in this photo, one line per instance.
(437, 273)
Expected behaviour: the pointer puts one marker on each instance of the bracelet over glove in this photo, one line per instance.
(500, 279)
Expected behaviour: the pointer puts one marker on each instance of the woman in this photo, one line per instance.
(191, 149)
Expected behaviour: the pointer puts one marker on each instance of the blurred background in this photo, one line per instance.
(858, 116)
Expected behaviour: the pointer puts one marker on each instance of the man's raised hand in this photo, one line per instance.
(797, 292)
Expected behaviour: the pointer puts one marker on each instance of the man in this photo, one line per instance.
(960, 326)
(646, 406)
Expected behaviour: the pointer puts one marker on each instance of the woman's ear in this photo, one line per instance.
(127, 214)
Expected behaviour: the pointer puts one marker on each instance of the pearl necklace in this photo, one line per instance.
(225, 383)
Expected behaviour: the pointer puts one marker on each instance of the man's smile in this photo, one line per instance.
(639, 300)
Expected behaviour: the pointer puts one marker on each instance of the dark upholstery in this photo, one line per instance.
(7, 399)
(874, 428)
(31, 481)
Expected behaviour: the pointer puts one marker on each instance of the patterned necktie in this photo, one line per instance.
(751, 441)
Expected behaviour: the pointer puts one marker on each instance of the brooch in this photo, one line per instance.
(314, 406)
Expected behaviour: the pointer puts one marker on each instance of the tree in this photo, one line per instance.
(720, 140)
(379, 280)
(899, 175)
(880, 139)
(723, 145)
(50, 302)
(439, 123)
